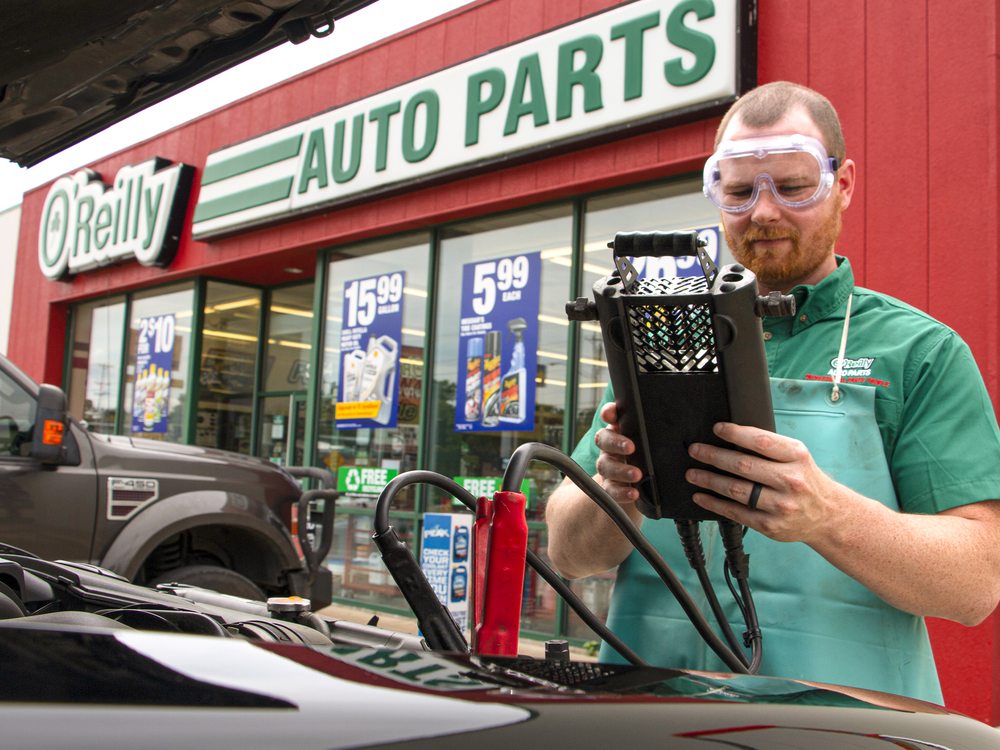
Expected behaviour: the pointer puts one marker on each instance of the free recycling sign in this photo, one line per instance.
(363, 480)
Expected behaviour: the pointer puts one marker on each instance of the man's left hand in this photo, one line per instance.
(795, 500)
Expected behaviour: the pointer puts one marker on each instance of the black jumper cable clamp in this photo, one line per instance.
(683, 353)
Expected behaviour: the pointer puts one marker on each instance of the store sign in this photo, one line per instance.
(488, 486)
(87, 224)
(643, 62)
(363, 480)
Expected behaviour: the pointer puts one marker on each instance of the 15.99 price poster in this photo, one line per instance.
(370, 342)
(498, 339)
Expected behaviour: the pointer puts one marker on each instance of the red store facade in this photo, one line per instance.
(578, 118)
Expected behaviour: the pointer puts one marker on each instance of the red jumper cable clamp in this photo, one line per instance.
(501, 544)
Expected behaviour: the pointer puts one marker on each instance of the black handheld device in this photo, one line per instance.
(683, 354)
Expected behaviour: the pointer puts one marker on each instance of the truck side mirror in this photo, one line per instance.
(48, 436)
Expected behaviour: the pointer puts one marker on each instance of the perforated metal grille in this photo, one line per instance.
(672, 338)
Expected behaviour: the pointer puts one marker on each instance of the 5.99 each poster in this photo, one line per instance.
(370, 342)
(497, 343)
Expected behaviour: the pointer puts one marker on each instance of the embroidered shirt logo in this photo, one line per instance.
(853, 368)
(858, 370)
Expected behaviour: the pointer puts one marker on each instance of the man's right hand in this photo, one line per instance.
(616, 473)
(583, 540)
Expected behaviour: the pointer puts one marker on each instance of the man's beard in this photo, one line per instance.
(782, 269)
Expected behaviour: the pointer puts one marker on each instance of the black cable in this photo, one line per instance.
(738, 562)
(689, 532)
(465, 497)
(512, 478)
(437, 624)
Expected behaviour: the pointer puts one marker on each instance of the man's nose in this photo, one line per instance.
(766, 209)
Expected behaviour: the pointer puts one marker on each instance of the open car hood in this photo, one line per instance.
(72, 68)
(91, 660)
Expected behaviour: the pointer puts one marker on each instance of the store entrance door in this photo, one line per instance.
(282, 436)
(281, 405)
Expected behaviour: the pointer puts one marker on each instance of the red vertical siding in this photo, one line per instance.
(916, 87)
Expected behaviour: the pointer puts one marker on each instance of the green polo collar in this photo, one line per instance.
(815, 302)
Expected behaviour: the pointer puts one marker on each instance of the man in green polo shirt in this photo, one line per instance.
(875, 504)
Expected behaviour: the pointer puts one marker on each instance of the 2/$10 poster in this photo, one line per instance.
(497, 343)
(154, 357)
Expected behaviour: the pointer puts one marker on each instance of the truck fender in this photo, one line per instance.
(171, 515)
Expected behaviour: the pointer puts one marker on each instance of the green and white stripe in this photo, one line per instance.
(249, 182)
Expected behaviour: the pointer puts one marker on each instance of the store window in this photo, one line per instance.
(157, 359)
(228, 366)
(500, 334)
(369, 417)
(500, 363)
(96, 364)
(287, 353)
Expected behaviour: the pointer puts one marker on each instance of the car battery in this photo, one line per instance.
(683, 353)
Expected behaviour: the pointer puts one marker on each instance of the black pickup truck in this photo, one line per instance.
(151, 511)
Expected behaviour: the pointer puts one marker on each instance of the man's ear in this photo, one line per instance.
(845, 182)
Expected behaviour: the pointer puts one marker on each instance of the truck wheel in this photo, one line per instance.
(212, 577)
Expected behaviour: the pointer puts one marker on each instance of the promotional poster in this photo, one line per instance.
(370, 339)
(154, 359)
(498, 339)
(446, 559)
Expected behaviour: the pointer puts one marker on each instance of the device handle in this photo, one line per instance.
(658, 245)
(655, 244)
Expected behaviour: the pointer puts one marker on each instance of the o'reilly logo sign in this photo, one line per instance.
(639, 63)
(86, 224)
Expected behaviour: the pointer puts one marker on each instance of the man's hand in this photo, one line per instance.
(942, 565)
(583, 540)
(796, 500)
(616, 474)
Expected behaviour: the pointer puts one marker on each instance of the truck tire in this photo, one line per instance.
(212, 577)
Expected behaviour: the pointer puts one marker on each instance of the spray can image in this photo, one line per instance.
(491, 380)
(514, 382)
(473, 378)
(378, 376)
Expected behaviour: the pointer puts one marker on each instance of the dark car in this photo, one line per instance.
(93, 661)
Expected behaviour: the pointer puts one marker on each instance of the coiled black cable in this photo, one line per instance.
(516, 469)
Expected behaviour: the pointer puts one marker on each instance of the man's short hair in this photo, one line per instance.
(767, 104)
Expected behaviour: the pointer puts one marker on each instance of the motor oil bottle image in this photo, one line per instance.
(354, 363)
(460, 551)
(378, 375)
(459, 583)
(513, 385)
(491, 380)
(473, 379)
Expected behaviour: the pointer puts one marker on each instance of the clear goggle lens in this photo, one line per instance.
(795, 168)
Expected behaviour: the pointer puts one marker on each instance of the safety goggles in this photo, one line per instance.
(795, 168)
